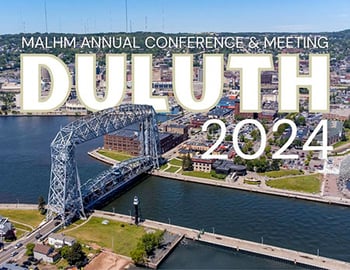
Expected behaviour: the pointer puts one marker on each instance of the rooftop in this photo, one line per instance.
(42, 249)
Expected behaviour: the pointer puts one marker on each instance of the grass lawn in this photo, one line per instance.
(281, 173)
(250, 182)
(62, 264)
(201, 175)
(340, 143)
(114, 155)
(123, 236)
(305, 183)
(176, 162)
(21, 227)
(30, 217)
(172, 169)
(197, 174)
(20, 232)
(163, 166)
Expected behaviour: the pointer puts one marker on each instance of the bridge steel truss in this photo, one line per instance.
(67, 199)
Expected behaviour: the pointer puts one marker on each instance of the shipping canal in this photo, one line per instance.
(294, 224)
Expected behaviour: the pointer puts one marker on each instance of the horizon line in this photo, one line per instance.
(175, 33)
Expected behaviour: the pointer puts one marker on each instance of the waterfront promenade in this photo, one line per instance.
(236, 185)
(109, 161)
(274, 252)
(252, 188)
(22, 206)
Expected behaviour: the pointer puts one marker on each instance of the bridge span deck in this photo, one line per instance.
(275, 252)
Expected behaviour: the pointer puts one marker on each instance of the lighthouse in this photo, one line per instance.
(136, 205)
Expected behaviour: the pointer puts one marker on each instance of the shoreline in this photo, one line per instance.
(18, 206)
(273, 252)
(106, 160)
(263, 190)
(268, 191)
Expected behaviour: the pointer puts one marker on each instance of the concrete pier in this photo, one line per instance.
(264, 190)
(274, 252)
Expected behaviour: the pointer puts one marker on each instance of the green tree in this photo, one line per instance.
(10, 236)
(75, 255)
(300, 121)
(228, 138)
(238, 160)
(255, 134)
(275, 165)
(347, 124)
(41, 205)
(250, 165)
(261, 164)
(7, 100)
(297, 143)
(187, 163)
(247, 147)
(30, 248)
(241, 138)
(138, 255)
(268, 151)
(146, 245)
(64, 251)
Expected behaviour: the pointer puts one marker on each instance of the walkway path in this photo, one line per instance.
(21, 206)
(94, 154)
(238, 244)
(261, 189)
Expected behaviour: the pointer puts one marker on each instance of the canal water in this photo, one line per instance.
(290, 223)
(295, 224)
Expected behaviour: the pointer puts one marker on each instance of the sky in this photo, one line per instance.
(170, 16)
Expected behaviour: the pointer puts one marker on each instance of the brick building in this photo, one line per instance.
(202, 165)
(127, 140)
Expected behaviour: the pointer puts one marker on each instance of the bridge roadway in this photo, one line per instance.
(11, 251)
(275, 252)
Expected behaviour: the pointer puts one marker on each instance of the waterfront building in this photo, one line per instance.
(202, 165)
(227, 167)
(127, 140)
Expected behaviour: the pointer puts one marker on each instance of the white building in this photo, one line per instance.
(59, 240)
(45, 253)
(5, 226)
(74, 106)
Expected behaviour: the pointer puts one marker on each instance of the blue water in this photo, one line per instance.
(300, 225)
(196, 255)
(25, 156)
(290, 223)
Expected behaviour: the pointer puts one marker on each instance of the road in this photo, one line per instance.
(44, 230)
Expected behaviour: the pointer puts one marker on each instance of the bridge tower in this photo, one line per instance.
(65, 198)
